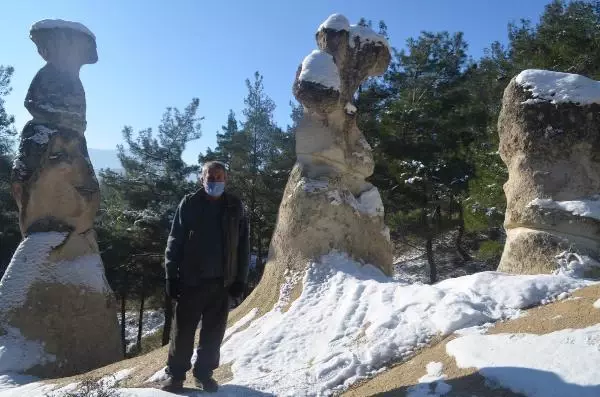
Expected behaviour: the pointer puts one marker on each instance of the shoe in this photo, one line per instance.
(208, 385)
(172, 385)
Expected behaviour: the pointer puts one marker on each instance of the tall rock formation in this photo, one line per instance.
(550, 140)
(57, 311)
(327, 205)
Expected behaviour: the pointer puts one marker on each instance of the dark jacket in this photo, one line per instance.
(183, 251)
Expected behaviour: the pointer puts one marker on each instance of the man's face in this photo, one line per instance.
(215, 174)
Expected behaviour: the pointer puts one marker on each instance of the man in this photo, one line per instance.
(206, 260)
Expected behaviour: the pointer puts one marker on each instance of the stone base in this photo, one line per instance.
(530, 251)
(61, 315)
(315, 218)
(318, 216)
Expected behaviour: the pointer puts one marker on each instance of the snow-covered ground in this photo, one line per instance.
(351, 321)
(558, 364)
(151, 323)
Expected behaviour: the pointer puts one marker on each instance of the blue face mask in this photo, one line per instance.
(214, 189)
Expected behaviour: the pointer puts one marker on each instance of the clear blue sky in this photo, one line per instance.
(154, 54)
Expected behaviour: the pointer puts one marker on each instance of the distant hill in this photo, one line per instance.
(107, 158)
(104, 158)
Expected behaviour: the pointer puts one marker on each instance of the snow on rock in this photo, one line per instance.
(43, 134)
(61, 24)
(585, 208)
(365, 34)
(24, 266)
(19, 354)
(597, 304)
(335, 22)
(319, 67)
(312, 185)
(572, 264)
(432, 383)
(351, 319)
(558, 87)
(368, 203)
(29, 264)
(350, 108)
(558, 364)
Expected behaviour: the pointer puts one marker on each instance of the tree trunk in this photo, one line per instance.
(431, 268)
(168, 320)
(141, 314)
(431, 263)
(459, 236)
(259, 258)
(123, 302)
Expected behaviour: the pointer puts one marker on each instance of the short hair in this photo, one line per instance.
(212, 165)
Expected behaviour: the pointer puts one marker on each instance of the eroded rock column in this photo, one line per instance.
(550, 141)
(327, 205)
(57, 311)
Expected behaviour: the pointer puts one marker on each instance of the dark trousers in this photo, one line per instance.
(208, 301)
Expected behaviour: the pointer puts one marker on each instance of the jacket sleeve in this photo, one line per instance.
(175, 244)
(243, 248)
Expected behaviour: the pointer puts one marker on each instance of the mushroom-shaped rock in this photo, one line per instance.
(56, 307)
(56, 94)
(327, 204)
(549, 129)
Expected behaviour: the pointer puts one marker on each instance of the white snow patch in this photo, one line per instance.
(61, 24)
(351, 319)
(386, 233)
(152, 323)
(30, 264)
(312, 185)
(13, 380)
(597, 304)
(585, 208)
(19, 166)
(434, 372)
(477, 329)
(241, 323)
(19, 354)
(335, 22)
(365, 34)
(30, 255)
(572, 264)
(350, 108)
(368, 203)
(558, 364)
(319, 67)
(558, 87)
(114, 379)
(413, 179)
(158, 376)
(431, 384)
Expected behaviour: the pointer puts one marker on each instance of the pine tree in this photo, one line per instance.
(567, 39)
(9, 228)
(422, 125)
(138, 204)
(260, 156)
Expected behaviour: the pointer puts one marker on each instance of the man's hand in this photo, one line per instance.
(173, 289)
(237, 289)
